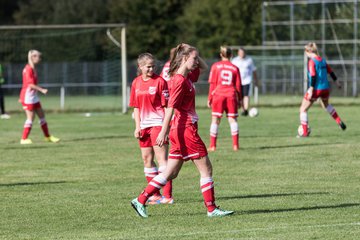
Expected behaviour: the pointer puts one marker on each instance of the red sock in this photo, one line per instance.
(150, 173)
(155, 185)
(331, 110)
(213, 134)
(27, 129)
(167, 189)
(235, 139)
(336, 117)
(44, 127)
(304, 122)
(235, 133)
(207, 189)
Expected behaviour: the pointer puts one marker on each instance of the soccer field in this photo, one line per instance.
(281, 187)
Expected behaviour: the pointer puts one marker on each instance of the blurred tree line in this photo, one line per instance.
(153, 25)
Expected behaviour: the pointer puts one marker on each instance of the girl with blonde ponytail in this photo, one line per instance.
(30, 100)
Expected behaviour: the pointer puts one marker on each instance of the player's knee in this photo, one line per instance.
(147, 158)
(42, 121)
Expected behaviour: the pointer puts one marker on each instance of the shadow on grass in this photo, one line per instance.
(30, 183)
(27, 147)
(96, 138)
(343, 205)
(271, 195)
(292, 146)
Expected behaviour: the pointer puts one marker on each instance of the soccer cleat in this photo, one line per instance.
(26, 141)
(139, 208)
(211, 149)
(154, 199)
(5, 116)
(219, 213)
(52, 139)
(236, 148)
(342, 125)
(165, 200)
(245, 113)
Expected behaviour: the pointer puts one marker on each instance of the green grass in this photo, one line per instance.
(113, 103)
(280, 187)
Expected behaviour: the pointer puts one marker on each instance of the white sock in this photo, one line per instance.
(214, 129)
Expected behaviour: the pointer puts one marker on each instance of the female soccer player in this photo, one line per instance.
(149, 96)
(30, 100)
(318, 87)
(224, 95)
(186, 143)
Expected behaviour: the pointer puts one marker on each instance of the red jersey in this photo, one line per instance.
(193, 75)
(28, 95)
(182, 99)
(224, 79)
(165, 71)
(150, 97)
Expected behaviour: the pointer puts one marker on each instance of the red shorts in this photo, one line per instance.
(323, 94)
(31, 107)
(228, 104)
(148, 136)
(186, 143)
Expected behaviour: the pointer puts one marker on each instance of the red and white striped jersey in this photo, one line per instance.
(151, 98)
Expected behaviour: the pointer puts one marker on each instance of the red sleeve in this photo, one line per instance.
(164, 92)
(29, 76)
(311, 66)
(212, 81)
(194, 75)
(329, 69)
(177, 92)
(133, 101)
(238, 84)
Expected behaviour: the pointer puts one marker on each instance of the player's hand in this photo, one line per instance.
(209, 104)
(338, 84)
(310, 92)
(137, 133)
(161, 138)
(44, 91)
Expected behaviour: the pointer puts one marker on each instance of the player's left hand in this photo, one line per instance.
(209, 104)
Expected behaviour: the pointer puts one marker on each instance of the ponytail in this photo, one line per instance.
(181, 50)
(225, 52)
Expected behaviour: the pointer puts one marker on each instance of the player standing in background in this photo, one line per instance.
(30, 100)
(248, 73)
(3, 114)
(149, 96)
(319, 87)
(224, 95)
(186, 143)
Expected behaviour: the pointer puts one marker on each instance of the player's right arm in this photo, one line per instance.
(175, 101)
(212, 84)
(30, 80)
(133, 103)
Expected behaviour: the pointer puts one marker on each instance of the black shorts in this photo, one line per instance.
(245, 90)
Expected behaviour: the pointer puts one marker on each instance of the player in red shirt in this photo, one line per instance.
(149, 96)
(224, 95)
(186, 143)
(30, 100)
